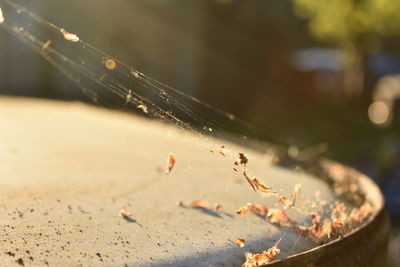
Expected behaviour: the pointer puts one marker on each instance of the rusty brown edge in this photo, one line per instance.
(366, 245)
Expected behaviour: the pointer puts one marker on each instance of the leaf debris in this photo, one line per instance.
(222, 150)
(284, 200)
(257, 185)
(325, 230)
(263, 258)
(218, 207)
(143, 108)
(338, 215)
(259, 210)
(244, 209)
(359, 214)
(170, 163)
(296, 192)
(125, 214)
(69, 36)
(241, 160)
(277, 216)
(240, 242)
(200, 204)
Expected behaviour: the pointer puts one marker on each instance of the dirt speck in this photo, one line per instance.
(20, 261)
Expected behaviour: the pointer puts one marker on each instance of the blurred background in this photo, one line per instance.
(304, 72)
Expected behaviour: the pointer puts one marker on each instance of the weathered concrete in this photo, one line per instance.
(67, 169)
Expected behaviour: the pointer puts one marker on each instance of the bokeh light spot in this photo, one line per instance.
(378, 112)
(110, 64)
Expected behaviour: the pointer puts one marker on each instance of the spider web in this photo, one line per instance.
(110, 82)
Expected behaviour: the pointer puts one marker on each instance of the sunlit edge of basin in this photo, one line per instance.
(365, 245)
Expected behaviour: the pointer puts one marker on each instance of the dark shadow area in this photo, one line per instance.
(130, 220)
(232, 255)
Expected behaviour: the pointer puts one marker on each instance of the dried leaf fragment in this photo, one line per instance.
(240, 242)
(244, 209)
(218, 207)
(338, 215)
(326, 229)
(273, 251)
(143, 108)
(125, 214)
(284, 200)
(249, 180)
(241, 160)
(263, 258)
(170, 163)
(259, 210)
(257, 185)
(200, 204)
(296, 192)
(277, 216)
(222, 150)
(315, 220)
(359, 214)
(69, 36)
(255, 260)
(260, 187)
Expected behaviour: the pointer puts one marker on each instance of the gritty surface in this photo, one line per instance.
(67, 169)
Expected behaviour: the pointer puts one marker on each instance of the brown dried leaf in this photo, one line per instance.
(244, 209)
(366, 209)
(326, 229)
(259, 210)
(240, 242)
(218, 207)
(284, 200)
(263, 258)
(258, 185)
(296, 192)
(125, 214)
(69, 36)
(222, 150)
(358, 215)
(249, 180)
(200, 204)
(338, 215)
(170, 163)
(315, 218)
(256, 260)
(277, 216)
(273, 251)
(143, 108)
(241, 160)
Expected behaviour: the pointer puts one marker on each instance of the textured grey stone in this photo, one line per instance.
(67, 169)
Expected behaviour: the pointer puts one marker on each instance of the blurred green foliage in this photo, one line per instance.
(340, 21)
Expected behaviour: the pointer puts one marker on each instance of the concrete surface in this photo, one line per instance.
(67, 169)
